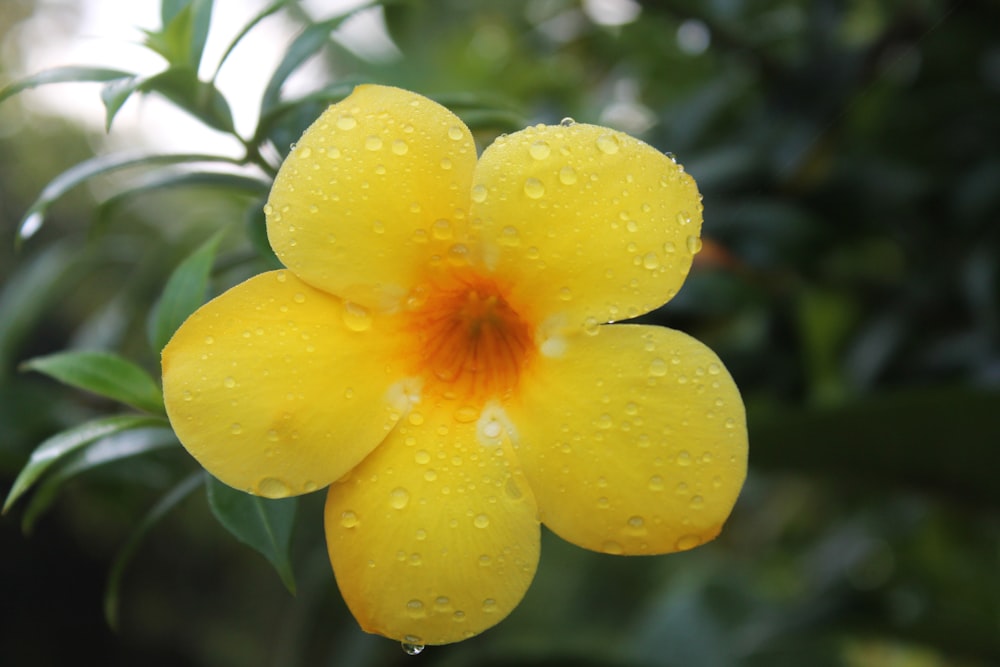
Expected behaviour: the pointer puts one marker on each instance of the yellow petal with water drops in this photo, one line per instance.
(373, 190)
(435, 536)
(590, 224)
(634, 440)
(276, 388)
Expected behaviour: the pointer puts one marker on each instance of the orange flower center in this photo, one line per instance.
(471, 343)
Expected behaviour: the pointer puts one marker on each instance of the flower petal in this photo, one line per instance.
(373, 189)
(272, 391)
(435, 536)
(634, 440)
(587, 222)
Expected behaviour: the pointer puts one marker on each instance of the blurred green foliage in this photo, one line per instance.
(849, 155)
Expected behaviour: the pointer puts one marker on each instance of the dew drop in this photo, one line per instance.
(651, 261)
(567, 122)
(696, 502)
(347, 122)
(567, 175)
(441, 229)
(636, 522)
(612, 547)
(565, 294)
(481, 521)
(657, 367)
(492, 429)
(305, 152)
(466, 414)
(446, 164)
(422, 457)
(281, 276)
(400, 147)
(399, 498)
(236, 428)
(669, 248)
(591, 326)
(349, 519)
(455, 133)
(539, 150)
(373, 143)
(534, 188)
(229, 383)
(684, 458)
(415, 608)
(356, 318)
(607, 144)
(694, 244)
(683, 218)
(655, 483)
(412, 649)
(687, 542)
(489, 605)
(479, 193)
(272, 487)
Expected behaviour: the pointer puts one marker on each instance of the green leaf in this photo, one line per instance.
(260, 523)
(183, 293)
(237, 183)
(170, 500)
(67, 74)
(180, 85)
(102, 373)
(115, 447)
(182, 38)
(66, 442)
(267, 11)
(307, 44)
(84, 171)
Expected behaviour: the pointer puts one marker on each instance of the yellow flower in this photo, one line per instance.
(436, 355)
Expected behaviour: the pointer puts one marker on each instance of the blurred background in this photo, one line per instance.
(849, 156)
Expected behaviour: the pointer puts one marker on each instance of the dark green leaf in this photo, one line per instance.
(66, 442)
(260, 523)
(70, 73)
(307, 44)
(182, 38)
(115, 94)
(237, 183)
(267, 11)
(184, 292)
(84, 171)
(115, 447)
(201, 99)
(170, 500)
(102, 373)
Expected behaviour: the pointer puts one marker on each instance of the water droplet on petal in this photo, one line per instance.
(347, 122)
(355, 317)
(539, 150)
(479, 193)
(612, 547)
(422, 457)
(400, 147)
(651, 261)
(567, 122)
(687, 542)
(481, 521)
(373, 143)
(229, 383)
(349, 519)
(399, 498)
(489, 605)
(567, 175)
(607, 144)
(683, 218)
(236, 428)
(534, 188)
(305, 152)
(412, 649)
(684, 458)
(655, 483)
(441, 229)
(446, 164)
(455, 133)
(658, 367)
(694, 245)
(272, 487)
(415, 608)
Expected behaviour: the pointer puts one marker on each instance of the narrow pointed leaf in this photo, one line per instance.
(110, 449)
(183, 294)
(237, 183)
(97, 166)
(170, 500)
(64, 443)
(67, 74)
(265, 525)
(102, 373)
(309, 42)
(267, 11)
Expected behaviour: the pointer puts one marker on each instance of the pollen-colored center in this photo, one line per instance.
(471, 343)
